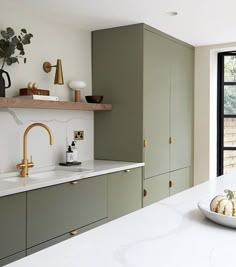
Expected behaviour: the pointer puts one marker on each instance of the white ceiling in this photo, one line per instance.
(199, 22)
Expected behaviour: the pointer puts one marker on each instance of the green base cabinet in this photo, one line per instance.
(12, 225)
(12, 258)
(60, 209)
(124, 192)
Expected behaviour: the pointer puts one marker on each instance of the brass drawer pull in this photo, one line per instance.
(74, 232)
(74, 182)
(144, 192)
(127, 170)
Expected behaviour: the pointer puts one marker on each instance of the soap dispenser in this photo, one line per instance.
(75, 151)
(69, 155)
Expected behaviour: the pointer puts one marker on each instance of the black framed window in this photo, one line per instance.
(226, 119)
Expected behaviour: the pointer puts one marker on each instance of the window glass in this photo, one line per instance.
(230, 132)
(230, 68)
(230, 99)
(229, 161)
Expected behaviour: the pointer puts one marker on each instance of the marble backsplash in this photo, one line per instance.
(63, 123)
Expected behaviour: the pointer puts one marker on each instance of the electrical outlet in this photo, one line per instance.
(78, 135)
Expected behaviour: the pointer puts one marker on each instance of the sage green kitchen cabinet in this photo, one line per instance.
(155, 188)
(147, 75)
(124, 192)
(180, 180)
(64, 237)
(12, 258)
(12, 226)
(56, 210)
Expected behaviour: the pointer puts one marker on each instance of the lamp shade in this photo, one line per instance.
(59, 74)
(77, 85)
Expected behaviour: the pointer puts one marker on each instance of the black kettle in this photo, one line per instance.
(2, 82)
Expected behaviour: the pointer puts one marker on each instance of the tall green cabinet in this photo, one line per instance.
(148, 77)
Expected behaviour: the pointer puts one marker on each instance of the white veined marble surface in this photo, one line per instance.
(11, 183)
(170, 233)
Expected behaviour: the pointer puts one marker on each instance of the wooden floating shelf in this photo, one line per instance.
(44, 104)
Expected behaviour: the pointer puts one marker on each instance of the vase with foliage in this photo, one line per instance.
(11, 50)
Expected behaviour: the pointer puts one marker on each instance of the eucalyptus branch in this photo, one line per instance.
(11, 43)
(3, 63)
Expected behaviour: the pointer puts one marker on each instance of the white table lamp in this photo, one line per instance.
(76, 86)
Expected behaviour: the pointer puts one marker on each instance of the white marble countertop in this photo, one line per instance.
(170, 233)
(11, 183)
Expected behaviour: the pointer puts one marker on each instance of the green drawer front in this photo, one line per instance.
(12, 224)
(56, 210)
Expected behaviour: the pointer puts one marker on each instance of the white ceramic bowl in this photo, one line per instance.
(228, 221)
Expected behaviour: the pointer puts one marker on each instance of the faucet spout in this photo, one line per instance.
(25, 163)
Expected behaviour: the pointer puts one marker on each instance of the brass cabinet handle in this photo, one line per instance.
(170, 183)
(74, 232)
(127, 170)
(144, 192)
(74, 182)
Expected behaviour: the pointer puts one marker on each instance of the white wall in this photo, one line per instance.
(50, 42)
(205, 97)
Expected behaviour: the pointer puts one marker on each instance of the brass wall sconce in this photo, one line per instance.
(58, 75)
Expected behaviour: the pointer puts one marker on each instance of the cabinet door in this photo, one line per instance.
(117, 74)
(155, 189)
(180, 180)
(124, 192)
(181, 119)
(12, 224)
(59, 209)
(156, 103)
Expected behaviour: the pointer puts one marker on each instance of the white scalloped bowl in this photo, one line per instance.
(204, 207)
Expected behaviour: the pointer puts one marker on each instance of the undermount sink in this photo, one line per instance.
(56, 174)
(49, 174)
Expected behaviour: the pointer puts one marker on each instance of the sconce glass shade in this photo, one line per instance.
(77, 85)
(58, 75)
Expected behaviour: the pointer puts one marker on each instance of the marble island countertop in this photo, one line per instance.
(170, 233)
(11, 183)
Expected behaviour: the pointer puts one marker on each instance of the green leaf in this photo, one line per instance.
(9, 62)
(25, 60)
(24, 30)
(25, 41)
(10, 32)
(4, 35)
(15, 40)
(20, 47)
(14, 60)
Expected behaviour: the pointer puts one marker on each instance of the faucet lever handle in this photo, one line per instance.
(30, 164)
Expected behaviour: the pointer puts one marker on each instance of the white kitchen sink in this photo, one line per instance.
(50, 174)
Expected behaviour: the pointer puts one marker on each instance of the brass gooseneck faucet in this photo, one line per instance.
(25, 163)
